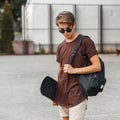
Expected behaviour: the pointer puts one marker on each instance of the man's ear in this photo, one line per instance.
(74, 25)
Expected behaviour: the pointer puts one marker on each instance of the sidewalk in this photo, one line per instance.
(20, 99)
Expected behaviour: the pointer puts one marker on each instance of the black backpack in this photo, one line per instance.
(91, 84)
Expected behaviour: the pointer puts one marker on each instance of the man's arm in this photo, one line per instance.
(94, 67)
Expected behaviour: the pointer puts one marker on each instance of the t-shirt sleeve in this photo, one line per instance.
(90, 47)
(58, 54)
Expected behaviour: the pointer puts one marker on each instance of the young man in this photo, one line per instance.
(69, 97)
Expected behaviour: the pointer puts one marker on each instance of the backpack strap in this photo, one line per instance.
(76, 48)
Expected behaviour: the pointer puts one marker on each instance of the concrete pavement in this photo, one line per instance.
(20, 99)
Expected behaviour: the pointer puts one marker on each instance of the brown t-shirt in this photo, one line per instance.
(68, 92)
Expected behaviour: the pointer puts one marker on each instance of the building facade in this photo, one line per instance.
(98, 19)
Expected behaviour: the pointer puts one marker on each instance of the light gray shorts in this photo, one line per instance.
(74, 113)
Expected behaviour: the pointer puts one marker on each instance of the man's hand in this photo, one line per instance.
(68, 69)
(55, 104)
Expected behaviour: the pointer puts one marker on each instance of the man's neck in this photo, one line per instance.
(73, 37)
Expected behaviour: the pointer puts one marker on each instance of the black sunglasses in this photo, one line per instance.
(61, 30)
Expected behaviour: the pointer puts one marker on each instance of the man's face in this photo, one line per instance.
(66, 29)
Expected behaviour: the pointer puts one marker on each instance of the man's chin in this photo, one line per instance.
(68, 37)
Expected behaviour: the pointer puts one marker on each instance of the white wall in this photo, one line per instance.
(87, 12)
(76, 1)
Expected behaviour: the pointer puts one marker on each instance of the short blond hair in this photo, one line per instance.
(65, 17)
